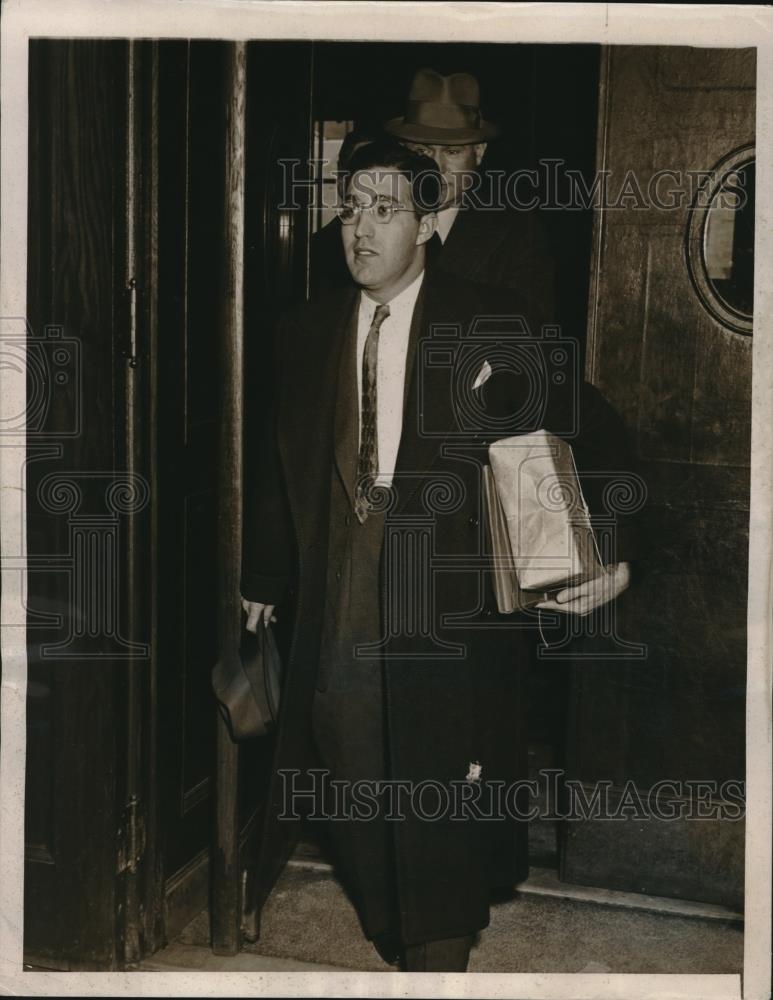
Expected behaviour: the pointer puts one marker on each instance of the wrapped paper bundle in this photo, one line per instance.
(542, 539)
(509, 595)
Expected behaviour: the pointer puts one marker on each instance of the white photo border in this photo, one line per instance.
(699, 25)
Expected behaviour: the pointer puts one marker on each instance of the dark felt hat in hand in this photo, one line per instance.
(443, 110)
(247, 684)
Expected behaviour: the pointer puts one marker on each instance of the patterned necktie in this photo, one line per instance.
(367, 460)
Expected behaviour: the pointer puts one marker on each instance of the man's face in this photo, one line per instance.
(458, 165)
(383, 257)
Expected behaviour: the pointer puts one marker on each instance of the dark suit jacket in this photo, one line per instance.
(503, 249)
(454, 690)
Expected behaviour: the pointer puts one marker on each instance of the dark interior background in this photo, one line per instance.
(543, 97)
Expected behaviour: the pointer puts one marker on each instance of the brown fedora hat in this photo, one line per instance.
(442, 110)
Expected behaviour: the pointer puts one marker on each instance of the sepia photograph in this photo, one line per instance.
(386, 499)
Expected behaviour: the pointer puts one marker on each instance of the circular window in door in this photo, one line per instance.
(720, 241)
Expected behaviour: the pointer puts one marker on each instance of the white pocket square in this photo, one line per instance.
(483, 375)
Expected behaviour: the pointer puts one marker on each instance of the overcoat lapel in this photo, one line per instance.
(414, 336)
(309, 408)
(429, 389)
(347, 411)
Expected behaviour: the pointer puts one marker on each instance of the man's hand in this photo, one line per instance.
(256, 611)
(592, 594)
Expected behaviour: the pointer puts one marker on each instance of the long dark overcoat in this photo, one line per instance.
(454, 674)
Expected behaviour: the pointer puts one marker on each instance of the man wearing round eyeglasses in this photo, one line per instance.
(382, 232)
(400, 684)
(478, 235)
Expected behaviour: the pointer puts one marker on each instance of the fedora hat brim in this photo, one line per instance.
(440, 136)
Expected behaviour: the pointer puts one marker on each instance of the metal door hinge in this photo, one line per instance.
(131, 837)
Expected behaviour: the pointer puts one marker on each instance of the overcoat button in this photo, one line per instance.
(473, 521)
(347, 520)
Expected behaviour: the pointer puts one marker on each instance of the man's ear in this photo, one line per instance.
(427, 226)
(480, 149)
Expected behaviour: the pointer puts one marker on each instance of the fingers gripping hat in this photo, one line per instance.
(442, 110)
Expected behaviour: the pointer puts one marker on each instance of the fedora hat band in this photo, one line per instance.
(437, 114)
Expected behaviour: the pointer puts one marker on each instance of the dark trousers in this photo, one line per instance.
(348, 716)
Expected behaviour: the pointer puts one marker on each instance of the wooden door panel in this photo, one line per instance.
(127, 147)
(190, 212)
(686, 375)
(74, 777)
(722, 400)
(199, 652)
(683, 385)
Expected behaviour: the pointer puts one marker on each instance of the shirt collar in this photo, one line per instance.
(401, 305)
(445, 219)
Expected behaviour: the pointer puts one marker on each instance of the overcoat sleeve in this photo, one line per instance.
(267, 537)
(577, 411)
(609, 476)
(525, 262)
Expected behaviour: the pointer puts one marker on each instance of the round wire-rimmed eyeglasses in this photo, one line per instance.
(382, 210)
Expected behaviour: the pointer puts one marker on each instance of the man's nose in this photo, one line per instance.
(442, 161)
(364, 224)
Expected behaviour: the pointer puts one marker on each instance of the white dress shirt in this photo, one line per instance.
(445, 219)
(390, 382)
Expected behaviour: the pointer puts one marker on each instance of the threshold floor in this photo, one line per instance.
(309, 924)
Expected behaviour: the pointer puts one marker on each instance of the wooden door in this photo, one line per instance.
(200, 373)
(87, 514)
(682, 381)
(126, 291)
(126, 222)
(188, 220)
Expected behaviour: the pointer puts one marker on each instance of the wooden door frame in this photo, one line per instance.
(141, 914)
(226, 893)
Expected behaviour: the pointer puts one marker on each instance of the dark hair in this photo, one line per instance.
(352, 142)
(421, 171)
